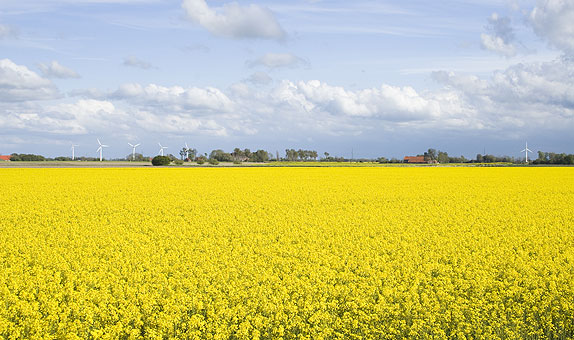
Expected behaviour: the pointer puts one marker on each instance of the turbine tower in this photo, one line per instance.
(526, 151)
(134, 150)
(186, 151)
(102, 146)
(161, 148)
(73, 151)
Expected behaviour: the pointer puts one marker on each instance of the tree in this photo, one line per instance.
(138, 157)
(192, 154)
(260, 156)
(442, 157)
(247, 154)
(237, 154)
(220, 156)
(430, 155)
(160, 160)
(291, 155)
(26, 158)
(541, 158)
(554, 158)
(314, 155)
(479, 158)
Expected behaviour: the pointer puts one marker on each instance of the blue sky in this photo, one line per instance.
(382, 78)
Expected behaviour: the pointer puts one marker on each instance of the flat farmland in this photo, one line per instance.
(287, 253)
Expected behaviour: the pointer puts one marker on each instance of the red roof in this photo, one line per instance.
(4, 158)
(414, 159)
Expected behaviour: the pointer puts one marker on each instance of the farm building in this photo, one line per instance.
(4, 158)
(415, 160)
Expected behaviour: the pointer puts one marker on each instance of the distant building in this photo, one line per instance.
(4, 158)
(415, 160)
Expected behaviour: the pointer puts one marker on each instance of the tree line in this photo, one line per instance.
(291, 155)
(553, 158)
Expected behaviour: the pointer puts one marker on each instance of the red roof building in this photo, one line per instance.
(415, 160)
(4, 158)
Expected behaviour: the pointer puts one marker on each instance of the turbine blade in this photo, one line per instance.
(135, 146)
(99, 141)
(130, 144)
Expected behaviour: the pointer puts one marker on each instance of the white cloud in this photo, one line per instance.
(548, 83)
(554, 21)
(56, 70)
(497, 45)
(535, 95)
(235, 21)
(102, 117)
(18, 83)
(277, 60)
(175, 97)
(77, 118)
(132, 61)
(387, 102)
(539, 94)
(501, 36)
(178, 124)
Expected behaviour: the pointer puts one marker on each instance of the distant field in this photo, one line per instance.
(287, 253)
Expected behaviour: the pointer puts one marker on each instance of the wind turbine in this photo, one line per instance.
(134, 150)
(161, 149)
(526, 151)
(102, 146)
(73, 151)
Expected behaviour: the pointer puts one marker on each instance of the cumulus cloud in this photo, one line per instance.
(76, 118)
(90, 116)
(18, 83)
(387, 102)
(554, 20)
(537, 95)
(132, 61)
(178, 124)
(500, 36)
(56, 70)
(175, 97)
(277, 60)
(235, 21)
(549, 83)
(541, 94)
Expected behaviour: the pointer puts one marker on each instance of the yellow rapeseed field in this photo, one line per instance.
(287, 253)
